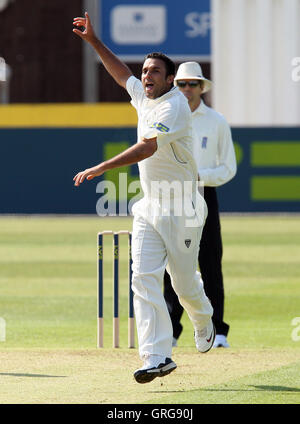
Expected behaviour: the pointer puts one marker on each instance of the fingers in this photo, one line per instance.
(80, 21)
(77, 179)
(81, 17)
(83, 26)
(87, 18)
(78, 32)
(87, 174)
(80, 177)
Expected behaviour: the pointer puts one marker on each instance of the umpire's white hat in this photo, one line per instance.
(192, 70)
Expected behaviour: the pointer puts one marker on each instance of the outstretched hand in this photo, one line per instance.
(88, 34)
(88, 174)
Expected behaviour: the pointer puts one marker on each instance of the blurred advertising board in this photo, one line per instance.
(179, 29)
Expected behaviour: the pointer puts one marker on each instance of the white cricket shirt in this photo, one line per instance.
(169, 119)
(213, 147)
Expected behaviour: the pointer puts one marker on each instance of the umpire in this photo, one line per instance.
(216, 163)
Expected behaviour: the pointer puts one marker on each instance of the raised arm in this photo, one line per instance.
(114, 66)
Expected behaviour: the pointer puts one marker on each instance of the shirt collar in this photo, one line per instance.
(201, 109)
(170, 93)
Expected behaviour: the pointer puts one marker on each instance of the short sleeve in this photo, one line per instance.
(135, 90)
(171, 123)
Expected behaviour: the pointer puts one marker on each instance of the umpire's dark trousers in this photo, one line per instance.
(210, 264)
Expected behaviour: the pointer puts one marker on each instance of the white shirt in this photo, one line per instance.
(169, 119)
(213, 146)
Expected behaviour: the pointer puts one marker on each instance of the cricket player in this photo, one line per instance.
(161, 236)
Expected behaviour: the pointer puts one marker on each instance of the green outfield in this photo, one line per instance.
(48, 301)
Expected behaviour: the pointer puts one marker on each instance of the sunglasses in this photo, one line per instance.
(182, 84)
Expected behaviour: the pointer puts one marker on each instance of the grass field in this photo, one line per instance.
(48, 300)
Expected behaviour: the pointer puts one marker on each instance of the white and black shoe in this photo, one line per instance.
(205, 337)
(149, 374)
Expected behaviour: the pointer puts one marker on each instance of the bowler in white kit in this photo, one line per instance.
(166, 231)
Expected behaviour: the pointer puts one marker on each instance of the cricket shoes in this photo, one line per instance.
(220, 341)
(205, 337)
(149, 374)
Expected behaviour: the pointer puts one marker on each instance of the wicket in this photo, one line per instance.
(116, 328)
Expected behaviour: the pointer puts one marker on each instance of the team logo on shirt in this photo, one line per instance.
(160, 127)
(204, 142)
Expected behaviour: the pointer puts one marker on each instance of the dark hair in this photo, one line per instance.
(170, 65)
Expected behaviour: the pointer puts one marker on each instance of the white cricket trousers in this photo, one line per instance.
(158, 242)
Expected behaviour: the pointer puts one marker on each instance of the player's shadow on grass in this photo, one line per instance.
(277, 388)
(16, 374)
(258, 389)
